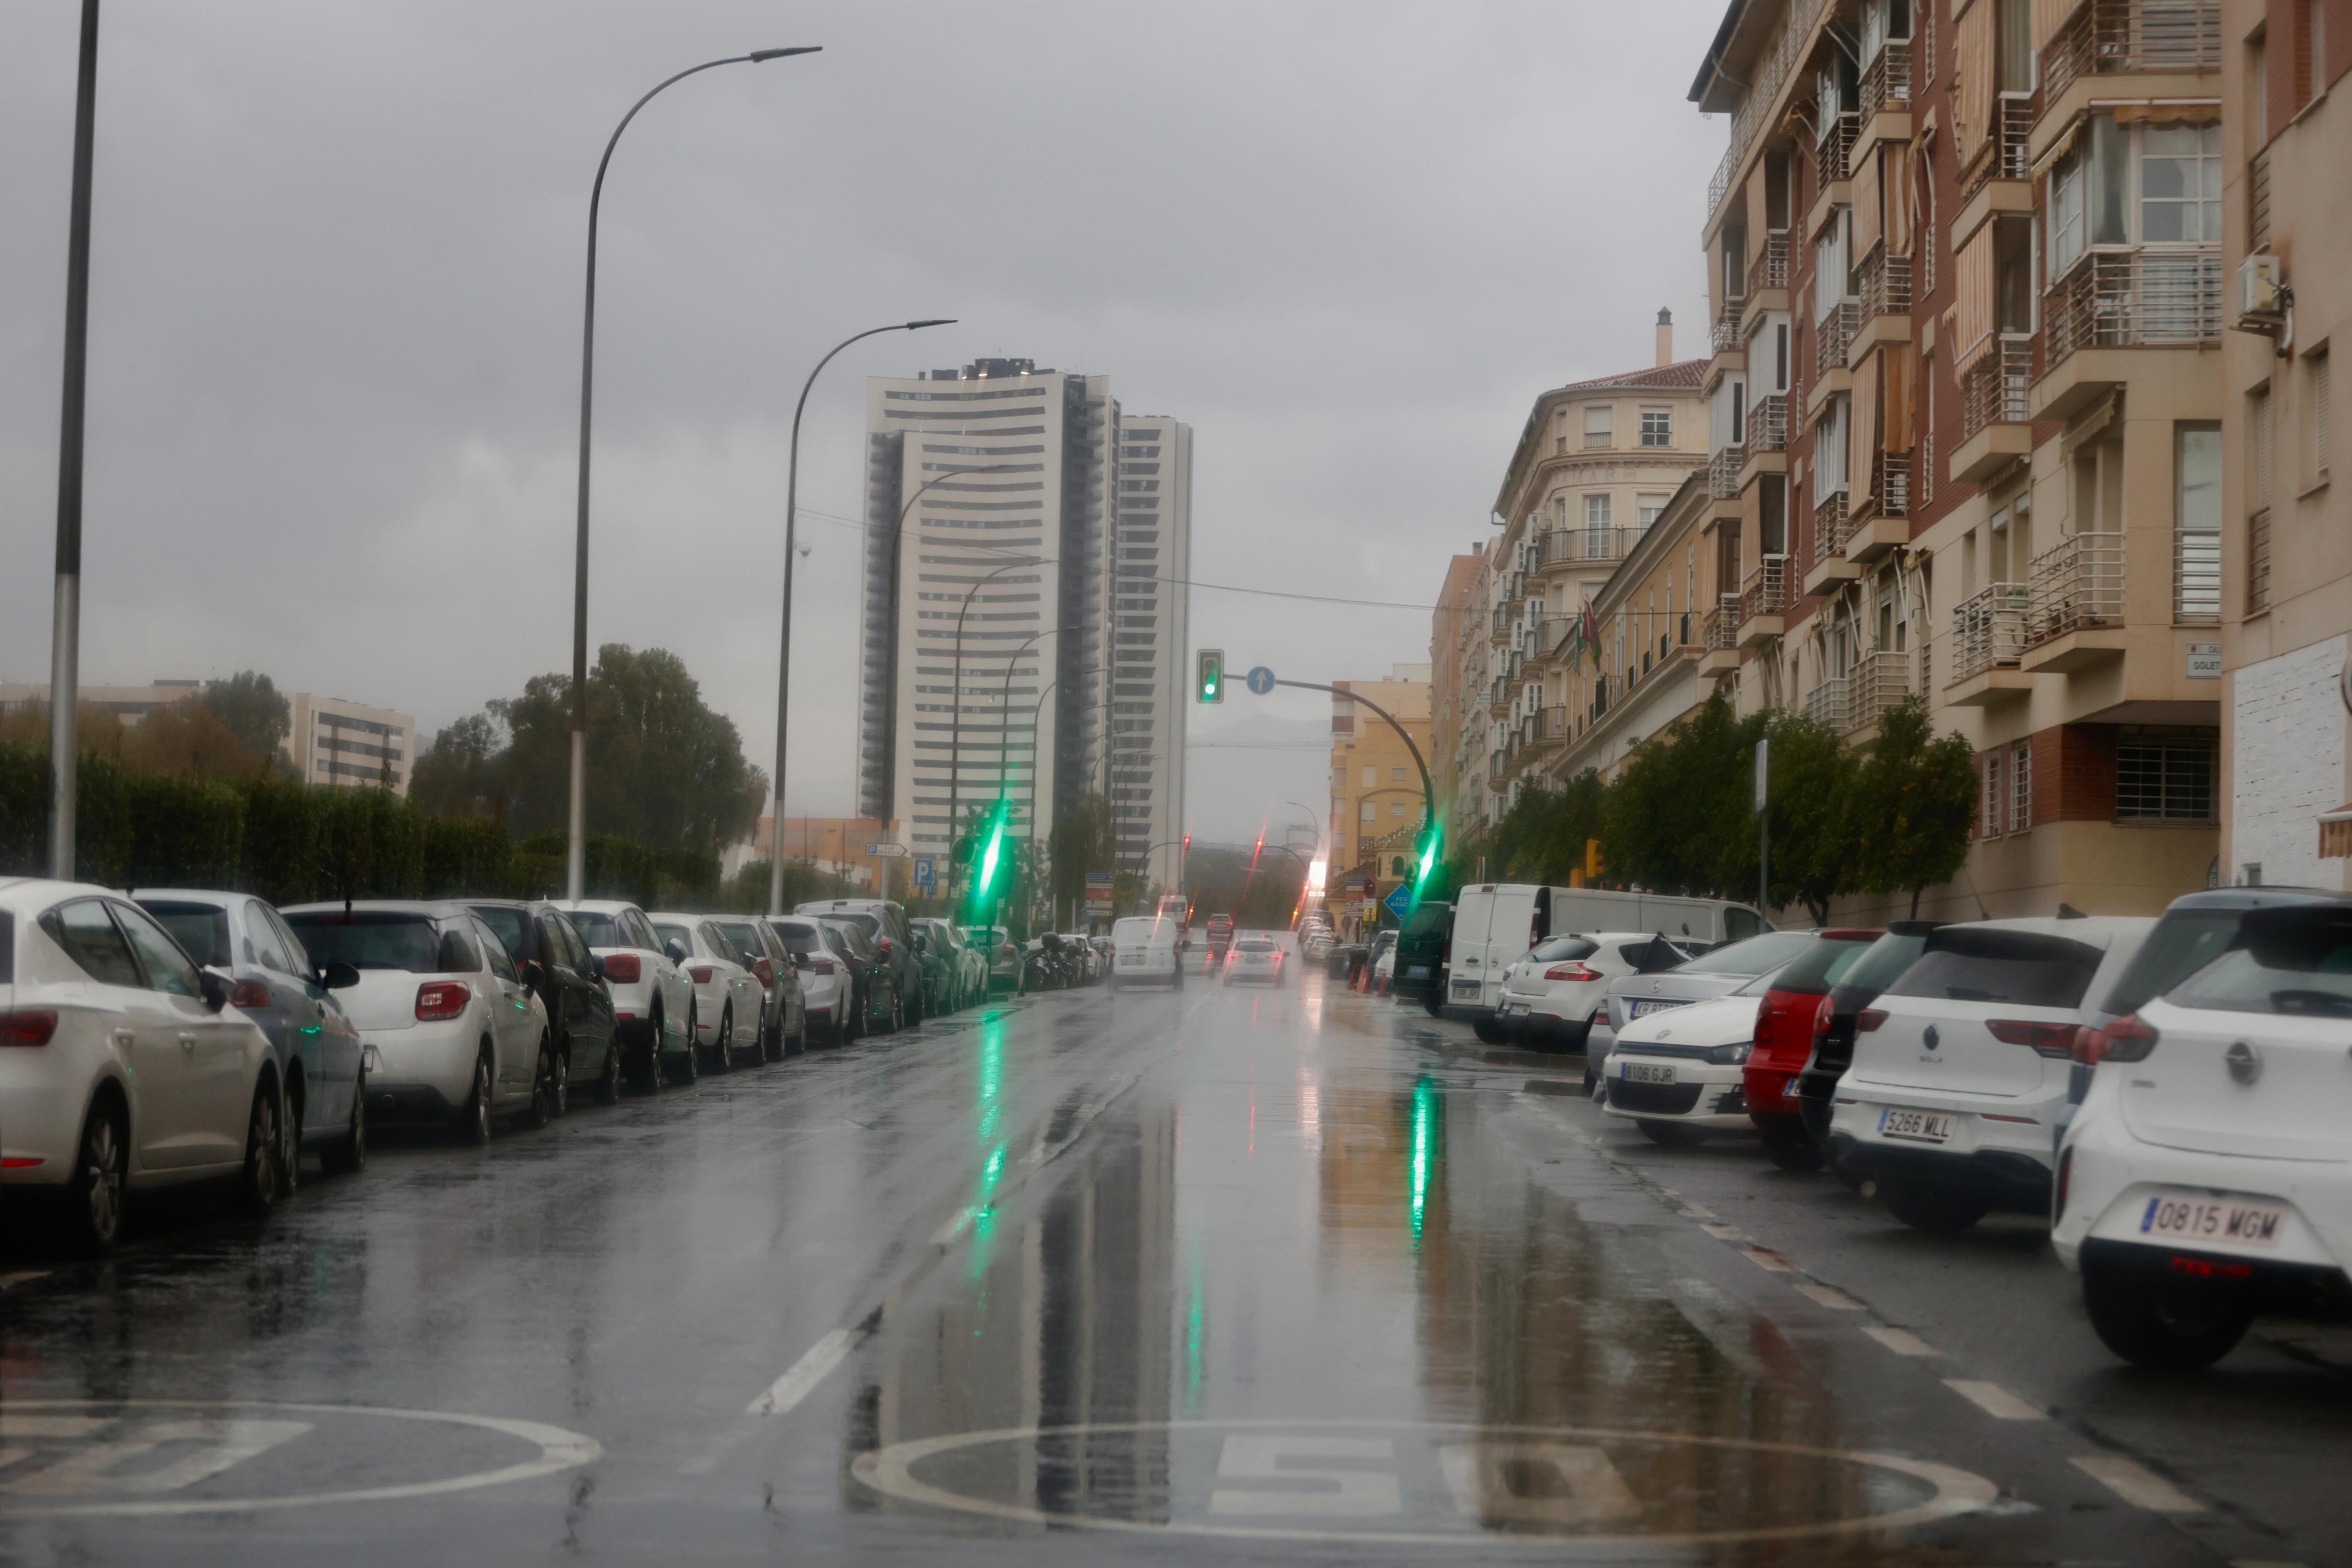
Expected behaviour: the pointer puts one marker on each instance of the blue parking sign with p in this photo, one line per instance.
(926, 876)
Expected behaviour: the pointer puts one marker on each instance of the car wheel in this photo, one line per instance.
(649, 1071)
(1491, 1030)
(348, 1154)
(94, 1211)
(608, 1082)
(2151, 1324)
(722, 1054)
(560, 1083)
(257, 1189)
(1591, 1077)
(473, 1118)
(775, 1048)
(688, 1069)
(1923, 1208)
(289, 1142)
(542, 1086)
(1671, 1134)
(1792, 1149)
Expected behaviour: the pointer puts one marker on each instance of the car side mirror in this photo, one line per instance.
(595, 967)
(798, 961)
(675, 950)
(339, 976)
(531, 973)
(215, 988)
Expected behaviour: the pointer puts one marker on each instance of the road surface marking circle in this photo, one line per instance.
(890, 1471)
(557, 1451)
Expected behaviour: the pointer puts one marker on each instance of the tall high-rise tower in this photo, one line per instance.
(1151, 608)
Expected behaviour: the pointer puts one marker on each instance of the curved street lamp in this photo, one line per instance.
(575, 875)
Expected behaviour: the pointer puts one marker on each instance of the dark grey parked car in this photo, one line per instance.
(571, 981)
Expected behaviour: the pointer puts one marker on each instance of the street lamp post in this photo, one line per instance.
(955, 739)
(64, 630)
(575, 877)
(784, 658)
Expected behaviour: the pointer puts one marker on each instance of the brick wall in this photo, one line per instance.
(2080, 771)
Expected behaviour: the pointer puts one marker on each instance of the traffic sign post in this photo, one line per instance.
(1399, 901)
(1261, 680)
(926, 876)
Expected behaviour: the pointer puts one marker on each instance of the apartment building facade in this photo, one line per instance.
(1596, 464)
(1376, 791)
(1460, 604)
(1025, 613)
(1966, 271)
(2286, 572)
(1474, 654)
(329, 741)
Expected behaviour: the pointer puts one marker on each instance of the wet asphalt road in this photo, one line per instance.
(1199, 1276)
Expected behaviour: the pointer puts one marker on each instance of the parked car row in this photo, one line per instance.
(2174, 1094)
(170, 1035)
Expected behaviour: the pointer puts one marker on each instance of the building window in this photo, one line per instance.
(1600, 426)
(2021, 787)
(1647, 509)
(1371, 777)
(1396, 809)
(1993, 818)
(2197, 524)
(1596, 510)
(1396, 775)
(1370, 809)
(2164, 780)
(2315, 398)
(1657, 428)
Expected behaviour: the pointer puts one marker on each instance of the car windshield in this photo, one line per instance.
(852, 934)
(598, 928)
(2014, 968)
(869, 924)
(1428, 919)
(2297, 967)
(2181, 943)
(1560, 949)
(378, 939)
(667, 933)
(1253, 945)
(744, 936)
(1757, 955)
(799, 937)
(201, 929)
(505, 919)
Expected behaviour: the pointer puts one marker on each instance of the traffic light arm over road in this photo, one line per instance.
(1427, 847)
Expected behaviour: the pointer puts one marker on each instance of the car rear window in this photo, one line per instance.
(506, 922)
(1757, 955)
(201, 929)
(599, 928)
(800, 937)
(740, 933)
(2182, 943)
(2296, 964)
(1253, 945)
(2015, 968)
(682, 935)
(379, 939)
(869, 924)
(1812, 973)
(1884, 962)
(1555, 949)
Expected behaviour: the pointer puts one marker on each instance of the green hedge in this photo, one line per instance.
(292, 843)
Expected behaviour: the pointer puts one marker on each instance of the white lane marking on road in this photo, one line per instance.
(801, 1378)
(1725, 1232)
(1766, 1258)
(1994, 1400)
(2137, 1483)
(1829, 1296)
(1699, 1211)
(1901, 1342)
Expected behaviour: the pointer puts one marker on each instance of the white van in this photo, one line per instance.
(1495, 922)
(1143, 952)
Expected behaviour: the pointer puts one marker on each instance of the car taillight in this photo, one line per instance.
(623, 969)
(2125, 1040)
(882, 945)
(1577, 971)
(700, 973)
(1868, 1019)
(1823, 1016)
(821, 965)
(29, 1026)
(249, 993)
(2046, 1039)
(1007, 950)
(440, 999)
(765, 969)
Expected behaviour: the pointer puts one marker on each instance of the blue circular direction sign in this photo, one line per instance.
(1261, 680)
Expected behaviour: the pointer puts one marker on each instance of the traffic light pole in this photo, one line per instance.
(1428, 794)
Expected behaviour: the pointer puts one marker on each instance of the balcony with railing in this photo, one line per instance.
(1768, 425)
(2075, 586)
(1724, 338)
(1723, 473)
(2123, 299)
(1885, 284)
(2258, 562)
(1833, 333)
(1890, 490)
(1826, 703)
(1833, 152)
(1544, 637)
(2008, 144)
(1996, 403)
(1880, 681)
(1586, 546)
(1887, 79)
(1770, 267)
(1832, 524)
(1501, 631)
(2119, 38)
(1988, 631)
(1764, 599)
(1722, 627)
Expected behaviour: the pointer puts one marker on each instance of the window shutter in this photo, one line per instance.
(2262, 448)
(1866, 204)
(1972, 310)
(1899, 183)
(1862, 468)
(1899, 388)
(1973, 88)
(2048, 16)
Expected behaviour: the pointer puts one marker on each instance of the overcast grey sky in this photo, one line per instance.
(336, 295)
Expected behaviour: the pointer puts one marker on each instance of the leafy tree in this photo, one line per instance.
(1680, 816)
(1082, 841)
(250, 705)
(463, 772)
(1812, 861)
(1910, 805)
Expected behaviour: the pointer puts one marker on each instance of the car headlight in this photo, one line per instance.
(1732, 1055)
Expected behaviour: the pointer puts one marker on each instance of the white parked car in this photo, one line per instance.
(1553, 994)
(1383, 964)
(1716, 972)
(1677, 1074)
(727, 997)
(651, 995)
(449, 1031)
(1255, 959)
(827, 992)
(1960, 1066)
(2207, 1173)
(123, 1064)
(1143, 952)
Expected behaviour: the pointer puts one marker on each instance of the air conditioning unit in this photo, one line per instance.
(2262, 296)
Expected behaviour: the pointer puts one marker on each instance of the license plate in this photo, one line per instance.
(1920, 1126)
(1513, 1009)
(1465, 988)
(2177, 1217)
(1644, 1009)
(1418, 971)
(1648, 1072)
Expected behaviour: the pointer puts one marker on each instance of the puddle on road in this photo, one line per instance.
(1294, 1288)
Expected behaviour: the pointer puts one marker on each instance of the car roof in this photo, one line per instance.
(2263, 897)
(2091, 931)
(598, 906)
(40, 892)
(439, 909)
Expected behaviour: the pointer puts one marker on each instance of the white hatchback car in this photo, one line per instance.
(1960, 1066)
(121, 1064)
(1554, 993)
(727, 997)
(2207, 1173)
(449, 1031)
(1254, 958)
(827, 993)
(651, 997)
(1677, 1073)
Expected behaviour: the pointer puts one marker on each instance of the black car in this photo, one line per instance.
(570, 981)
(891, 935)
(1422, 947)
(881, 1009)
(1880, 966)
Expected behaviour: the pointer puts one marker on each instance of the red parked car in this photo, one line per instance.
(1784, 1041)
